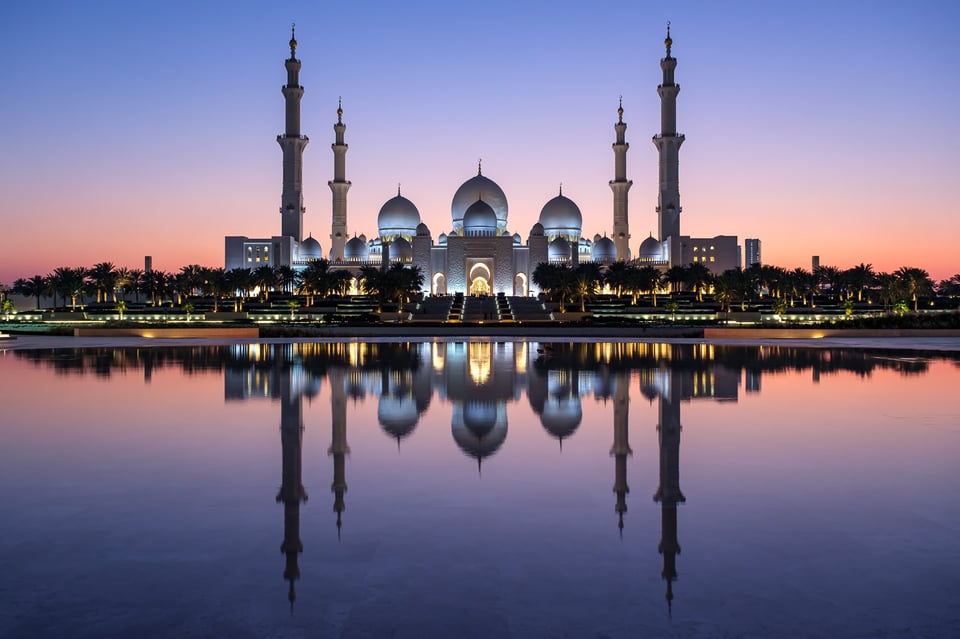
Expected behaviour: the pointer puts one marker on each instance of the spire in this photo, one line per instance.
(620, 111)
(293, 40)
(398, 189)
(339, 110)
(479, 163)
(668, 41)
(561, 188)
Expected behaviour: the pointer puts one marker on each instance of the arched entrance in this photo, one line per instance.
(480, 279)
(520, 285)
(439, 284)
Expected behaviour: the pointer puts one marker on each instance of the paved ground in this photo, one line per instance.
(22, 342)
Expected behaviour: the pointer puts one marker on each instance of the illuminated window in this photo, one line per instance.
(712, 259)
(711, 248)
(695, 249)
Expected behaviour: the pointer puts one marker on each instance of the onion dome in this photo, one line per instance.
(537, 229)
(561, 217)
(422, 230)
(558, 249)
(310, 249)
(442, 239)
(517, 240)
(604, 250)
(356, 249)
(398, 218)
(479, 219)
(479, 188)
(400, 250)
(650, 249)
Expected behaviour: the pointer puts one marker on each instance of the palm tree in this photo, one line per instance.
(829, 278)
(555, 280)
(800, 284)
(860, 277)
(916, 282)
(240, 282)
(286, 278)
(615, 276)
(676, 276)
(406, 280)
(315, 280)
(121, 307)
(733, 285)
(586, 277)
(136, 281)
(36, 286)
(699, 278)
(121, 282)
(373, 282)
(103, 278)
(157, 284)
(891, 289)
(68, 282)
(216, 284)
(265, 278)
(650, 279)
(189, 279)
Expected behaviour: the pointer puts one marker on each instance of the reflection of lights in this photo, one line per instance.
(520, 358)
(479, 360)
(438, 356)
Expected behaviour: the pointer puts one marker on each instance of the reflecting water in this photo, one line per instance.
(479, 489)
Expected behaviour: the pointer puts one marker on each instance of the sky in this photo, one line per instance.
(822, 128)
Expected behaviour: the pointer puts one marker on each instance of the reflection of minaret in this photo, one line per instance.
(668, 493)
(338, 446)
(291, 489)
(621, 446)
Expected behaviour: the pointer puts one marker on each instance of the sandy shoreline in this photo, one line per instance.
(28, 342)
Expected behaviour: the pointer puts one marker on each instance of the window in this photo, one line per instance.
(712, 259)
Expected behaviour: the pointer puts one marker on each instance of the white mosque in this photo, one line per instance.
(479, 255)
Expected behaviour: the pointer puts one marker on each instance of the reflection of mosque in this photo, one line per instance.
(478, 379)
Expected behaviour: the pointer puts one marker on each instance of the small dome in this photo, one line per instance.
(422, 230)
(558, 249)
(650, 249)
(356, 249)
(442, 239)
(517, 240)
(604, 250)
(476, 188)
(398, 217)
(480, 219)
(400, 250)
(537, 229)
(310, 249)
(560, 216)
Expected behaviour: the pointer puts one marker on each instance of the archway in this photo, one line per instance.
(520, 285)
(439, 284)
(479, 279)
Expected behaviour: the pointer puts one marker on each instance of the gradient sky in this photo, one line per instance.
(823, 128)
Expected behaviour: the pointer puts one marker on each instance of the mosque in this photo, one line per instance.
(480, 255)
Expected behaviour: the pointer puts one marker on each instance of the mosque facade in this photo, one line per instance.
(479, 255)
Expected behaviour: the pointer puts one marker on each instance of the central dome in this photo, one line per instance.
(398, 217)
(479, 188)
(480, 219)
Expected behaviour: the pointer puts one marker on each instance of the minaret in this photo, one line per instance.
(668, 142)
(621, 445)
(338, 445)
(291, 492)
(293, 144)
(620, 185)
(339, 185)
(668, 493)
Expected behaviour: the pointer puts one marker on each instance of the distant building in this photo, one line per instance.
(752, 249)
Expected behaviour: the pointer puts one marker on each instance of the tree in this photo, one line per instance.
(121, 307)
(586, 278)
(36, 286)
(859, 278)
(136, 281)
(615, 276)
(265, 278)
(216, 284)
(8, 308)
(676, 276)
(733, 285)
(556, 281)
(103, 278)
(799, 283)
(121, 282)
(916, 283)
(286, 278)
(891, 289)
(699, 279)
(650, 279)
(68, 282)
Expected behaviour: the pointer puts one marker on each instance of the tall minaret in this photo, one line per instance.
(620, 185)
(292, 143)
(668, 142)
(339, 185)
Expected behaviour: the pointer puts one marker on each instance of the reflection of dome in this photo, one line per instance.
(604, 250)
(397, 415)
(398, 216)
(650, 249)
(400, 250)
(561, 416)
(356, 249)
(479, 188)
(560, 216)
(479, 428)
(558, 249)
(479, 219)
(310, 249)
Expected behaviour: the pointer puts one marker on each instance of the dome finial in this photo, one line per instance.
(561, 188)
(479, 163)
(340, 110)
(668, 41)
(398, 189)
(293, 40)
(620, 110)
